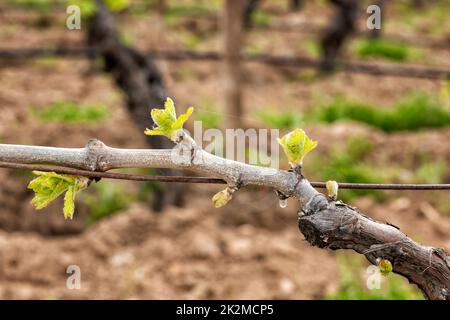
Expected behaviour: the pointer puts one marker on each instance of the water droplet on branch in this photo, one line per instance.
(283, 203)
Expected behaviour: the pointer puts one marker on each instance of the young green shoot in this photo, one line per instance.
(50, 185)
(296, 145)
(166, 121)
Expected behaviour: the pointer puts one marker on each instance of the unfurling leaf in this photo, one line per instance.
(221, 198)
(50, 185)
(166, 121)
(332, 189)
(69, 203)
(385, 267)
(296, 145)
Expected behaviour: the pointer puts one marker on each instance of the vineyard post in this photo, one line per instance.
(232, 28)
(161, 7)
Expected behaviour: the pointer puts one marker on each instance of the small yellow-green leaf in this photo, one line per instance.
(50, 185)
(296, 145)
(69, 203)
(182, 119)
(166, 121)
(221, 198)
(47, 187)
(169, 105)
(162, 118)
(157, 132)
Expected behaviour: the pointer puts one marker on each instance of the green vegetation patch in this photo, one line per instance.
(418, 111)
(280, 120)
(105, 199)
(70, 112)
(353, 278)
(209, 113)
(43, 5)
(383, 49)
(261, 18)
(347, 164)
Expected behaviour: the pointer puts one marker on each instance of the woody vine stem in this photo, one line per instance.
(324, 221)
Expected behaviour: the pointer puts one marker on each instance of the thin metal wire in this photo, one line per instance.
(275, 60)
(187, 179)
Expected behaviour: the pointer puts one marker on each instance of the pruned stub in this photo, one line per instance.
(334, 225)
(326, 223)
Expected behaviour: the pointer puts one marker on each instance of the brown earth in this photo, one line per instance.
(249, 249)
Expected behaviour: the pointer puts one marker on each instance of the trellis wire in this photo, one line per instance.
(210, 180)
(275, 60)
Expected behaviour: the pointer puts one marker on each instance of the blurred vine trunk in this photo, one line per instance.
(341, 27)
(250, 7)
(140, 80)
(296, 5)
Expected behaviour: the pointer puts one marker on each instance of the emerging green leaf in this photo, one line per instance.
(385, 267)
(332, 188)
(50, 185)
(296, 145)
(69, 203)
(221, 198)
(166, 121)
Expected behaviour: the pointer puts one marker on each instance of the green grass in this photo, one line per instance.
(312, 48)
(183, 73)
(261, 18)
(127, 38)
(417, 111)
(43, 5)
(347, 164)
(46, 63)
(105, 199)
(432, 19)
(70, 112)
(208, 113)
(192, 41)
(430, 172)
(383, 49)
(352, 285)
(254, 49)
(280, 120)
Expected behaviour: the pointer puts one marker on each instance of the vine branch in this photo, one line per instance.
(325, 223)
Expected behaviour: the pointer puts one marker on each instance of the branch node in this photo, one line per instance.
(94, 160)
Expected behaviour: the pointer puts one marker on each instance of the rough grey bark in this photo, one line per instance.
(340, 28)
(140, 80)
(335, 225)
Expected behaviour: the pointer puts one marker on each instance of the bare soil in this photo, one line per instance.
(251, 248)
